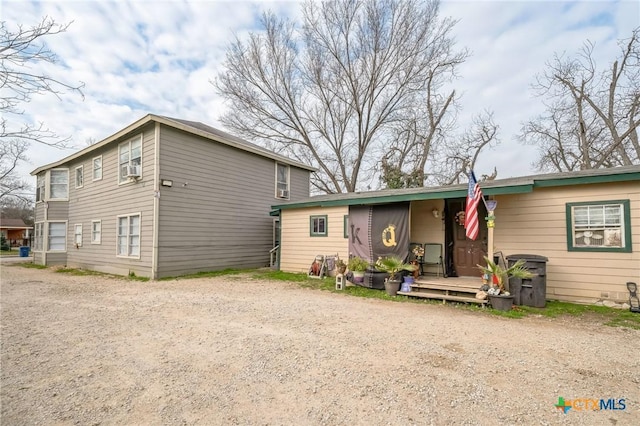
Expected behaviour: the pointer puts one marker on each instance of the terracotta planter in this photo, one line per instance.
(392, 287)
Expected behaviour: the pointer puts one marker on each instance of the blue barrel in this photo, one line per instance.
(24, 251)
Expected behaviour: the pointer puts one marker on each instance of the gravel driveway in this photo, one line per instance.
(94, 350)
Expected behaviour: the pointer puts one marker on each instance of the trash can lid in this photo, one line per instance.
(534, 257)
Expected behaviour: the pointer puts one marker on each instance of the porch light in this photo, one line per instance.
(435, 212)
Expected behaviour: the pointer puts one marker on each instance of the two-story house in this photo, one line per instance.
(163, 197)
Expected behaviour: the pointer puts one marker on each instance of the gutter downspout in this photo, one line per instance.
(45, 233)
(156, 201)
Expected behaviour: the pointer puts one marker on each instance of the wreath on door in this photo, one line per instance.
(460, 217)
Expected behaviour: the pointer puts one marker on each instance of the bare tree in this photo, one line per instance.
(337, 91)
(15, 208)
(20, 50)
(11, 185)
(592, 117)
(437, 155)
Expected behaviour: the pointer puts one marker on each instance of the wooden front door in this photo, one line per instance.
(467, 253)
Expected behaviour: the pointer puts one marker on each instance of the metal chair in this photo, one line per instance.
(433, 257)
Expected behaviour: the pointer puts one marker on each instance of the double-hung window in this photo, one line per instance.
(282, 181)
(318, 226)
(40, 187)
(96, 232)
(37, 236)
(79, 177)
(78, 235)
(97, 168)
(129, 236)
(57, 240)
(59, 184)
(599, 226)
(130, 159)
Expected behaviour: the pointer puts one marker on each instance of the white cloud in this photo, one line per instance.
(158, 57)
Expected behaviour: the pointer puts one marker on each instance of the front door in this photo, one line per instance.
(467, 254)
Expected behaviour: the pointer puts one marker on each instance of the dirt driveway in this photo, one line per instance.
(96, 350)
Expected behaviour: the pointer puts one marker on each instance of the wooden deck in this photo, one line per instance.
(458, 289)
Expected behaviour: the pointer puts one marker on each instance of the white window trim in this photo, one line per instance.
(128, 181)
(288, 182)
(44, 188)
(48, 183)
(75, 175)
(35, 236)
(76, 235)
(93, 168)
(139, 214)
(66, 229)
(99, 240)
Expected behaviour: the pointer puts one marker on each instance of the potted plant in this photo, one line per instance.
(392, 265)
(501, 299)
(341, 266)
(357, 266)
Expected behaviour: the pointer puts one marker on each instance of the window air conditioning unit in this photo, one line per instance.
(133, 171)
(283, 193)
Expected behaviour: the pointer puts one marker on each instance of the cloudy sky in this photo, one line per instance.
(139, 57)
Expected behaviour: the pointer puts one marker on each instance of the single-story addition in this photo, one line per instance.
(163, 197)
(15, 231)
(586, 223)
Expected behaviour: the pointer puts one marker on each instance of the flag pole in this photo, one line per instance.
(490, 224)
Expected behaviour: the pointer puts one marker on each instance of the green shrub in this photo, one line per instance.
(4, 244)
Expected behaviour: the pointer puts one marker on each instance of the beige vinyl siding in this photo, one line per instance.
(298, 184)
(104, 200)
(56, 258)
(535, 223)
(57, 210)
(216, 214)
(38, 257)
(424, 228)
(299, 249)
(39, 212)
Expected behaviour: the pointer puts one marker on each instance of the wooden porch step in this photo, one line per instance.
(443, 297)
(444, 287)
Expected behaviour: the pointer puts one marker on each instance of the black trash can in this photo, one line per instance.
(24, 251)
(531, 291)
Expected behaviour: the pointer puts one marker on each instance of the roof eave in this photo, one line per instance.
(174, 124)
(445, 193)
(133, 126)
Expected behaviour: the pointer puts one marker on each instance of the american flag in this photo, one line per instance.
(474, 195)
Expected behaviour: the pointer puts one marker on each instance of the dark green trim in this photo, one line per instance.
(587, 180)
(521, 185)
(373, 200)
(626, 211)
(505, 190)
(345, 225)
(437, 195)
(275, 212)
(326, 225)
